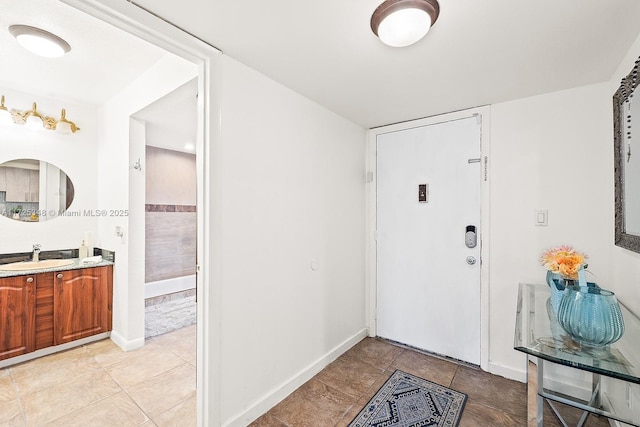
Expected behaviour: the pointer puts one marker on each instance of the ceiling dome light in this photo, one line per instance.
(400, 23)
(39, 41)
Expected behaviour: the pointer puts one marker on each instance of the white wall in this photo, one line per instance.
(553, 152)
(115, 164)
(293, 198)
(75, 154)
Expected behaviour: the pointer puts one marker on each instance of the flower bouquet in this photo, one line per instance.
(564, 266)
(564, 261)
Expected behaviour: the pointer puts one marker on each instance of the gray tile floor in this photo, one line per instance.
(335, 395)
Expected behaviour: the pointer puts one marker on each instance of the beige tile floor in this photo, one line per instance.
(98, 384)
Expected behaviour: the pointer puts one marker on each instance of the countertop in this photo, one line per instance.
(75, 266)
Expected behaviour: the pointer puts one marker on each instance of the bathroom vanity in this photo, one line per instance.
(42, 309)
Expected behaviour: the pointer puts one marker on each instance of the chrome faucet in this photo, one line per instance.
(35, 257)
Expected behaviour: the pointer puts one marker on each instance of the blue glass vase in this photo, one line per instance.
(556, 284)
(591, 315)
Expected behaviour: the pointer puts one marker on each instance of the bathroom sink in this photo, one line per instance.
(30, 265)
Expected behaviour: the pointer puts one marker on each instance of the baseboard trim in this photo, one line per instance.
(126, 345)
(51, 350)
(510, 373)
(273, 397)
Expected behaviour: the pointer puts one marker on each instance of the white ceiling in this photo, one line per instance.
(478, 53)
(102, 61)
(171, 122)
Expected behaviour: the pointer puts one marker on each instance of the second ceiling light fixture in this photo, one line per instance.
(400, 23)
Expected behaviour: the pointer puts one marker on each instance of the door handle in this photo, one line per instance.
(471, 236)
(471, 260)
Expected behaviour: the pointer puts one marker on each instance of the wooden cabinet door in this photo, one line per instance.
(17, 316)
(82, 303)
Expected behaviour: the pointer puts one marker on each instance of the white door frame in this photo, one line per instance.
(371, 254)
(138, 22)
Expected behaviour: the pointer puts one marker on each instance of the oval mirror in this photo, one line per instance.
(33, 191)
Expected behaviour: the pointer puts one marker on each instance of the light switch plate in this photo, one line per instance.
(542, 217)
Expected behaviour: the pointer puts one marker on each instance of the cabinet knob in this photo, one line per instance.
(59, 276)
(29, 279)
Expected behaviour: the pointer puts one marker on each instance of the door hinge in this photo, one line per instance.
(369, 177)
(486, 161)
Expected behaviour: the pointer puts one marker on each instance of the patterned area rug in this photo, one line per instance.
(407, 401)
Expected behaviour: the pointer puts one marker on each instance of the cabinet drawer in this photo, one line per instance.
(44, 310)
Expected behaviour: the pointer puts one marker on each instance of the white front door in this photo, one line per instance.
(428, 198)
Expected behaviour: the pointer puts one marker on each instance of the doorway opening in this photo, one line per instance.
(170, 232)
(138, 22)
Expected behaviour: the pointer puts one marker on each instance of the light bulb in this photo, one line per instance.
(63, 127)
(33, 119)
(5, 118)
(40, 46)
(34, 123)
(5, 115)
(404, 27)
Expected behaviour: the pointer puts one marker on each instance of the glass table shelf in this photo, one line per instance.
(538, 334)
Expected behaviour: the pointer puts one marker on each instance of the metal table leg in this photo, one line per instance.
(594, 402)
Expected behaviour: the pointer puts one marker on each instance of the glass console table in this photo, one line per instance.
(539, 335)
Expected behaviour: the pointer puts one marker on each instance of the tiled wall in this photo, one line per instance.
(6, 207)
(170, 218)
(170, 177)
(169, 312)
(170, 245)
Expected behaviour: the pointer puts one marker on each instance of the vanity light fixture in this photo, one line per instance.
(33, 120)
(400, 23)
(5, 115)
(65, 126)
(39, 41)
(36, 121)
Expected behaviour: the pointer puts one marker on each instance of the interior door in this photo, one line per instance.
(428, 269)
